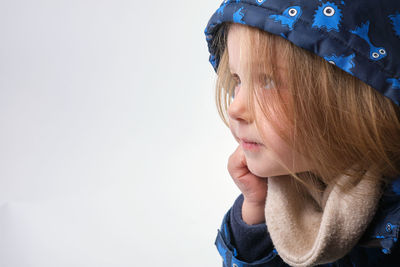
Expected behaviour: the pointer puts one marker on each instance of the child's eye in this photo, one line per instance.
(269, 84)
(266, 82)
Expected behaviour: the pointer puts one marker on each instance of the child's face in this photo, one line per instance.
(260, 158)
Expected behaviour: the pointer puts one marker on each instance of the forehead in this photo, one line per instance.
(234, 40)
(245, 44)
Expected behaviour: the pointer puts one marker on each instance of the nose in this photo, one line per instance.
(238, 109)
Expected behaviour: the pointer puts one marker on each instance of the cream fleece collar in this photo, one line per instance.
(318, 229)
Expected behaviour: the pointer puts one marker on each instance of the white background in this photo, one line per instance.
(112, 152)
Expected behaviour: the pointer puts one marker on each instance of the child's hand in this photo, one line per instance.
(253, 188)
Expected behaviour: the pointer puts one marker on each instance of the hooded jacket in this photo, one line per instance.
(240, 244)
(362, 37)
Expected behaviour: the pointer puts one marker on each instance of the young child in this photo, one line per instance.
(310, 91)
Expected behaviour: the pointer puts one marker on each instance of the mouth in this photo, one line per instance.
(249, 141)
(250, 145)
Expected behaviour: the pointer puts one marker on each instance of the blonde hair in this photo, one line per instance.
(333, 119)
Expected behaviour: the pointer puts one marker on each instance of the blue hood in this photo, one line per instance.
(362, 37)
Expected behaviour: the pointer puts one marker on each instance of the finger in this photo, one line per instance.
(237, 164)
(237, 158)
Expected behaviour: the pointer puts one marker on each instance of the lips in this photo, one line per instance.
(245, 140)
(250, 145)
(249, 141)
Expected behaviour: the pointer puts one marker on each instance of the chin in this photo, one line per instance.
(263, 172)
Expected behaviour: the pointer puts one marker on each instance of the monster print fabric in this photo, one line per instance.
(360, 37)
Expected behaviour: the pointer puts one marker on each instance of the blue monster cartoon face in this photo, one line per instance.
(289, 16)
(327, 16)
(343, 62)
(260, 2)
(375, 53)
(396, 23)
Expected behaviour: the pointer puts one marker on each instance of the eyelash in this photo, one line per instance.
(268, 84)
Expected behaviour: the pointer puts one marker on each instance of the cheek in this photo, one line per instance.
(274, 142)
(270, 135)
